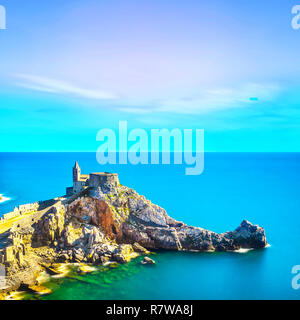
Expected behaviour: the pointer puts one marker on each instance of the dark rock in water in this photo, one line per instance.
(248, 235)
(147, 260)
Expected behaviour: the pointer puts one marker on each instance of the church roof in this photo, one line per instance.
(103, 173)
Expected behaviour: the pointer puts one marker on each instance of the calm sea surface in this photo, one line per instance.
(262, 188)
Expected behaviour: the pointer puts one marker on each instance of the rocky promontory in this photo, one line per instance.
(101, 225)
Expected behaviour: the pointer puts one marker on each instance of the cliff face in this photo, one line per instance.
(111, 223)
(128, 217)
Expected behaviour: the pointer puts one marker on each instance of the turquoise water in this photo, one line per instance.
(262, 188)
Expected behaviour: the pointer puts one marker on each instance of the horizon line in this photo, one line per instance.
(149, 152)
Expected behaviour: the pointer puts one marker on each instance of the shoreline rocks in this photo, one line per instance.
(103, 225)
(147, 260)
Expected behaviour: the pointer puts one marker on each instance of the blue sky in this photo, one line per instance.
(69, 68)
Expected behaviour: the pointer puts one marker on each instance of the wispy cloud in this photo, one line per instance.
(214, 99)
(202, 101)
(44, 84)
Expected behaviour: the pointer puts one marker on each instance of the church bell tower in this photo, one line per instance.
(76, 172)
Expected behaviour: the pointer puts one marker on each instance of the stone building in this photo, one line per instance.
(93, 180)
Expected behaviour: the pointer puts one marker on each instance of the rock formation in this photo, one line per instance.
(109, 223)
(147, 260)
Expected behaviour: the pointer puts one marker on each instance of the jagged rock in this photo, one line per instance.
(50, 227)
(138, 220)
(73, 235)
(111, 223)
(78, 255)
(124, 253)
(138, 248)
(95, 237)
(95, 257)
(104, 259)
(147, 260)
(100, 212)
(86, 219)
(63, 257)
(248, 235)
(39, 289)
(83, 269)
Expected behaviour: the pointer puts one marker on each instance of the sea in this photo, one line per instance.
(263, 188)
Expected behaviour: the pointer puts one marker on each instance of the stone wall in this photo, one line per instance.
(11, 215)
(69, 191)
(97, 180)
(15, 251)
(26, 208)
(78, 186)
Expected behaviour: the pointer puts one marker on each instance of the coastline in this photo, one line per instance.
(79, 233)
(99, 222)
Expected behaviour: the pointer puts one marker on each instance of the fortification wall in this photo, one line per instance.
(29, 207)
(78, 186)
(10, 215)
(97, 180)
(114, 179)
(69, 191)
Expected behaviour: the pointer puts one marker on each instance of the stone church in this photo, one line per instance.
(93, 180)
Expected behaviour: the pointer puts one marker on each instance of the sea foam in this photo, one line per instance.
(3, 199)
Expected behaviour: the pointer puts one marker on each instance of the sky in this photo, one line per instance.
(70, 68)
